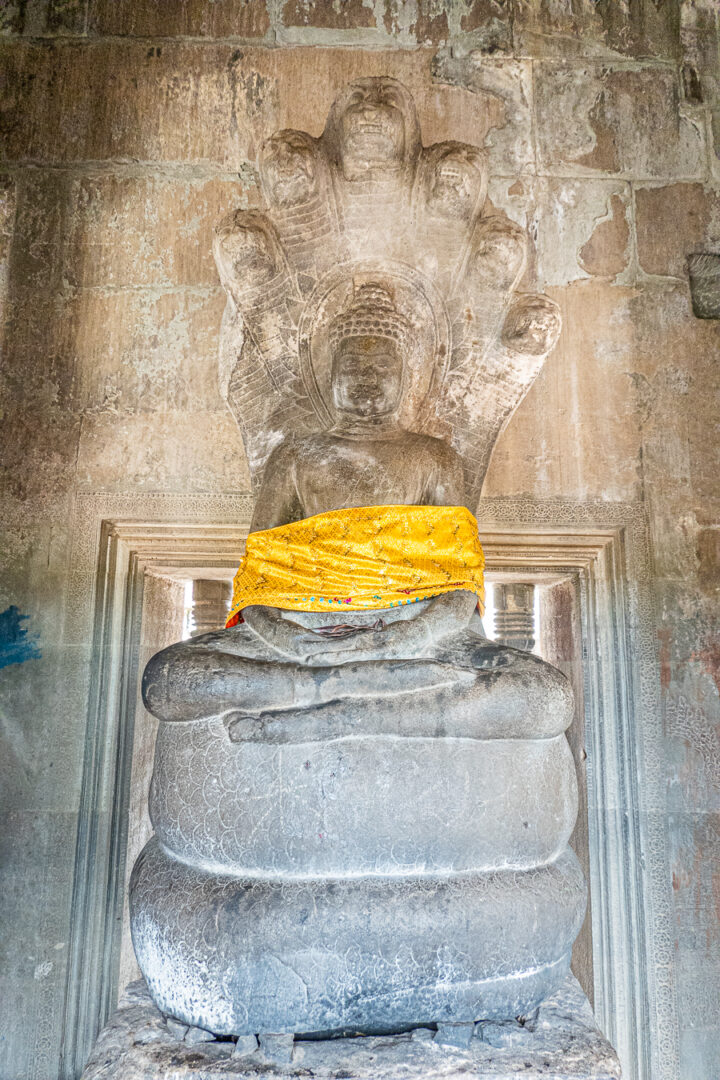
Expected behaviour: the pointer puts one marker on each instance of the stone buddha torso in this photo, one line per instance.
(367, 459)
(333, 471)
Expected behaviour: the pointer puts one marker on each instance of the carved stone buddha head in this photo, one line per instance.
(369, 340)
(367, 202)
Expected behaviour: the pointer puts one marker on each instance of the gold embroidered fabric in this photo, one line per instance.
(362, 557)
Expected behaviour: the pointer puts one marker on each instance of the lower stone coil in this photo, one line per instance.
(241, 955)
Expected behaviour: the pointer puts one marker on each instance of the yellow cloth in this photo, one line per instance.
(362, 557)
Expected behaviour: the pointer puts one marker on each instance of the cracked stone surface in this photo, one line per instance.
(559, 1042)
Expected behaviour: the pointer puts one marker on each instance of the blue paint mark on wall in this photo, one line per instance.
(16, 644)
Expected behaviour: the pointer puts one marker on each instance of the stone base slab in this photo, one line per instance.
(560, 1042)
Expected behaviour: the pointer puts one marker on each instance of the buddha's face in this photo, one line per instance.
(367, 377)
(372, 131)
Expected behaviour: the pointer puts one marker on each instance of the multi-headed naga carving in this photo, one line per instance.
(363, 824)
(367, 204)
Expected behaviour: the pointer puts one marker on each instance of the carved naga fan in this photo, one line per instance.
(367, 203)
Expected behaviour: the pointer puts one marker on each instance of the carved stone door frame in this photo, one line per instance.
(119, 538)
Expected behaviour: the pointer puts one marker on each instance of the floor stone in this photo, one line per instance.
(560, 1042)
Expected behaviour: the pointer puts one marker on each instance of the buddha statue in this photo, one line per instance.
(362, 805)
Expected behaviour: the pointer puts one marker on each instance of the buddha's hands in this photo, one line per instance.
(403, 639)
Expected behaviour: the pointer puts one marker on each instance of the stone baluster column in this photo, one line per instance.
(515, 615)
(210, 604)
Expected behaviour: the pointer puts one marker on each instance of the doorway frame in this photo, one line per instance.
(120, 538)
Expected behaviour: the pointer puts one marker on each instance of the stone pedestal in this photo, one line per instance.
(559, 1042)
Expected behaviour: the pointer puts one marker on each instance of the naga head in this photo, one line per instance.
(246, 251)
(455, 181)
(289, 168)
(372, 129)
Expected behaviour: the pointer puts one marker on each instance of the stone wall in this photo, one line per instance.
(130, 127)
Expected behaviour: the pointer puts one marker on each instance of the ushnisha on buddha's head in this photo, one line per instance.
(369, 342)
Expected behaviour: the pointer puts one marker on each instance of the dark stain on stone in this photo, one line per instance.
(431, 27)
(490, 24)
(12, 17)
(326, 15)
(708, 558)
(559, 625)
(704, 273)
(691, 84)
(604, 154)
(665, 669)
(16, 644)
